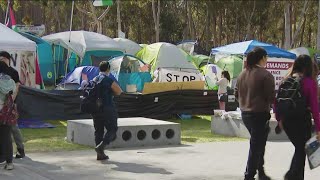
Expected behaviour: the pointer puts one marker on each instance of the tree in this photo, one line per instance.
(287, 26)
(156, 18)
(318, 29)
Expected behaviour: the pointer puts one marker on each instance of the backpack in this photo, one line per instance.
(290, 102)
(91, 99)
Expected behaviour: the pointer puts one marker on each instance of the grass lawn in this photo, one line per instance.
(196, 130)
(46, 140)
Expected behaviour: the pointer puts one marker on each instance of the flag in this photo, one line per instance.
(102, 2)
(11, 23)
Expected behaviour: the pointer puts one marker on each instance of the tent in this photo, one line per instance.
(211, 72)
(130, 47)
(242, 48)
(166, 55)
(126, 70)
(305, 50)
(45, 58)
(23, 52)
(130, 70)
(202, 60)
(88, 48)
(187, 46)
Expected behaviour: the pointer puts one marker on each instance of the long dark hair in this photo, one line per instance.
(303, 64)
(254, 56)
(226, 75)
(3, 67)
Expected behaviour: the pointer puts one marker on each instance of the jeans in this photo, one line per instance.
(17, 136)
(6, 149)
(258, 127)
(298, 130)
(108, 120)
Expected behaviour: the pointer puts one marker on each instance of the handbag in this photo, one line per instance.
(8, 113)
(223, 97)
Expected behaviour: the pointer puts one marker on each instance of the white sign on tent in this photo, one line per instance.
(167, 75)
(279, 68)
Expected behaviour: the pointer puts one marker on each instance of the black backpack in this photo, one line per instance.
(290, 102)
(91, 99)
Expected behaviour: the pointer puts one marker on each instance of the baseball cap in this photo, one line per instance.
(5, 54)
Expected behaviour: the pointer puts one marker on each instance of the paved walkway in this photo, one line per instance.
(214, 161)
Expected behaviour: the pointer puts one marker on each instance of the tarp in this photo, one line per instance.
(129, 46)
(64, 104)
(83, 41)
(245, 47)
(166, 55)
(10, 40)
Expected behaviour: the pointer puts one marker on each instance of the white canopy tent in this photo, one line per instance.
(23, 52)
(12, 41)
(130, 47)
(83, 41)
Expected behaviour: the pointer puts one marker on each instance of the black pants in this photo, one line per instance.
(258, 127)
(108, 120)
(6, 149)
(298, 130)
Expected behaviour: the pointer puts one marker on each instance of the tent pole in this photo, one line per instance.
(71, 19)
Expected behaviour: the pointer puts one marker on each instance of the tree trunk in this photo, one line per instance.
(302, 31)
(156, 18)
(309, 35)
(118, 17)
(318, 32)
(214, 31)
(220, 29)
(249, 34)
(296, 33)
(287, 24)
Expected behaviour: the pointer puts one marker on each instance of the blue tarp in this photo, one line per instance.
(246, 46)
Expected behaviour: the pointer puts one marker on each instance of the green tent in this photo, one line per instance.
(233, 64)
(202, 60)
(166, 55)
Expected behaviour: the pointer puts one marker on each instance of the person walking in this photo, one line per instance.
(16, 133)
(223, 89)
(107, 119)
(7, 87)
(297, 125)
(255, 91)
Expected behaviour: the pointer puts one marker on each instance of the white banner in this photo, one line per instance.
(178, 76)
(278, 67)
(24, 63)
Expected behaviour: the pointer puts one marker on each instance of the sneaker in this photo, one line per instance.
(102, 157)
(263, 176)
(8, 166)
(20, 154)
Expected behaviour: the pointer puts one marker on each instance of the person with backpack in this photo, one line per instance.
(296, 103)
(7, 117)
(98, 101)
(255, 92)
(16, 133)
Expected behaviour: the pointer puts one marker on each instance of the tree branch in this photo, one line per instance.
(105, 12)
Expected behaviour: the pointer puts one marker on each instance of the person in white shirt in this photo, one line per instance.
(222, 91)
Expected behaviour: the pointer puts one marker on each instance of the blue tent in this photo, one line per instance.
(246, 46)
(45, 58)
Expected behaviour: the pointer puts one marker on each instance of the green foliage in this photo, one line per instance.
(215, 22)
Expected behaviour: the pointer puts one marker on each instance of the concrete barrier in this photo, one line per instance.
(235, 127)
(132, 132)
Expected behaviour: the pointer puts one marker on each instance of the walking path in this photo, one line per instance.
(212, 161)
